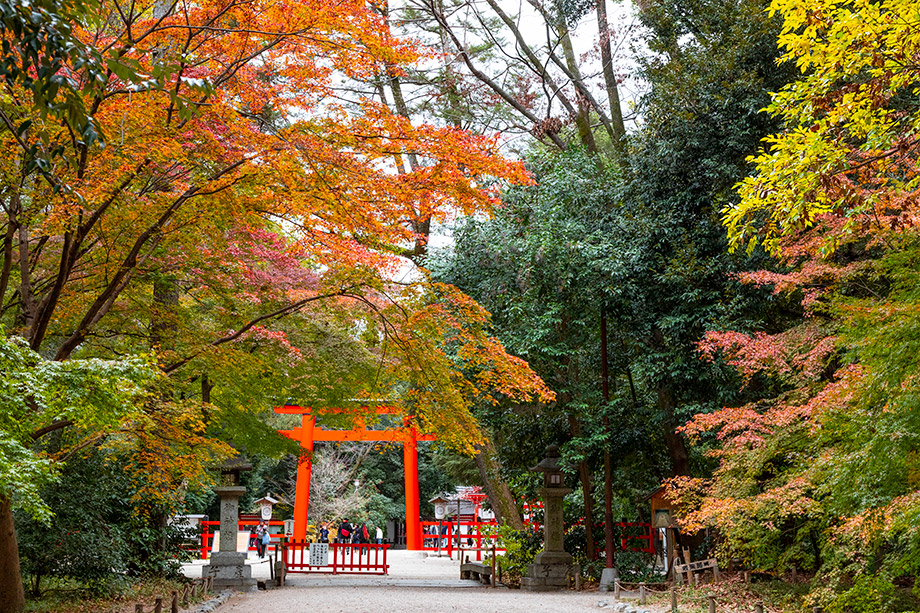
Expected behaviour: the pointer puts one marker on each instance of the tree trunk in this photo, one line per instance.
(582, 119)
(677, 448)
(12, 596)
(500, 496)
(608, 460)
(613, 94)
(584, 475)
(164, 324)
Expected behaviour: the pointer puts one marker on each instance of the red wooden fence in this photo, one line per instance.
(208, 527)
(482, 533)
(345, 558)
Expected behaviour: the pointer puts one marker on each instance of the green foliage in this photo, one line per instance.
(95, 395)
(94, 537)
(521, 547)
(38, 41)
(636, 567)
(869, 594)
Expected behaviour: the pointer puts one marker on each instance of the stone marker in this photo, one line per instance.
(227, 567)
(550, 568)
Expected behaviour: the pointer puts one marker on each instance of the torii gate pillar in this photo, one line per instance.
(413, 521)
(307, 433)
(304, 469)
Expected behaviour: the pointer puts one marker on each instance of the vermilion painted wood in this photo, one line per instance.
(345, 558)
(309, 432)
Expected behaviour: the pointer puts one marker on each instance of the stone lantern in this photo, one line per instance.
(550, 568)
(228, 566)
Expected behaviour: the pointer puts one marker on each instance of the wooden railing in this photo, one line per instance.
(344, 558)
(208, 529)
(190, 592)
(475, 536)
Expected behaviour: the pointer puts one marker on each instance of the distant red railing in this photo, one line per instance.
(344, 558)
(636, 531)
(475, 536)
(207, 535)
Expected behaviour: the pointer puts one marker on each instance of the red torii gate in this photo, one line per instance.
(308, 433)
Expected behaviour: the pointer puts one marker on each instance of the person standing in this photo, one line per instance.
(345, 531)
(324, 533)
(266, 541)
(261, 531)
(379, 536)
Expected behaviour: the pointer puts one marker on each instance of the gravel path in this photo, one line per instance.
(358, 599)
(416, 582)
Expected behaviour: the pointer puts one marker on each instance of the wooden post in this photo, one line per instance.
(642, 593)
(174, 604)
(712, 604)
(758, 607)
(715, 574)
(616, 590)
(492, 576)
(747, 576)
(673, 600)
(185, 590)
(194, 591)
(158, 605)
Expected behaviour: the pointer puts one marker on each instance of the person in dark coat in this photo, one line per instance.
(345, 532)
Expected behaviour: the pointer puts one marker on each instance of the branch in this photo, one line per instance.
(55, 425)
(278, 313)
(488, 81)
(115, 284)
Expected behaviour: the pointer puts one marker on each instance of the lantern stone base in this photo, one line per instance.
(548, 573)
(229, 569)
(608, 577)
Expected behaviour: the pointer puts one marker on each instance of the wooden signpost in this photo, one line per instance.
(692, 567)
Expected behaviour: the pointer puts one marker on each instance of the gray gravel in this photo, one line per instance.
(357, 599)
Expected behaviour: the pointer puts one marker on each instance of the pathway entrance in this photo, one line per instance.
(411, 599)
(407, 569)
(309, 432)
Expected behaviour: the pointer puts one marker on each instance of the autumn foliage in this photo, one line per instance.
(217, 192)
(818, 472)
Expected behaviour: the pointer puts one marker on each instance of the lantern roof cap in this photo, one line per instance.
(235, 464)
(551, 462)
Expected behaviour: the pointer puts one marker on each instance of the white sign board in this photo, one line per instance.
(266, 510)
(288, 527)
(319, 554)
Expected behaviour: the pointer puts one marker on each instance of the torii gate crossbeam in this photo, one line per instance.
(308, 433)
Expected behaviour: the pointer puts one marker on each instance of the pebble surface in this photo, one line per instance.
(358, 599)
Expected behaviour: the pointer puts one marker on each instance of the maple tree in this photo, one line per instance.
(849, 142)
(243, 216)
(818, 471)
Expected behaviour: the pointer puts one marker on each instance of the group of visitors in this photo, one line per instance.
(347, 533)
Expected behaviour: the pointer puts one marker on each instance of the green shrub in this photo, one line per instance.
(95, 540)
(521, 547)
(868, 595)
